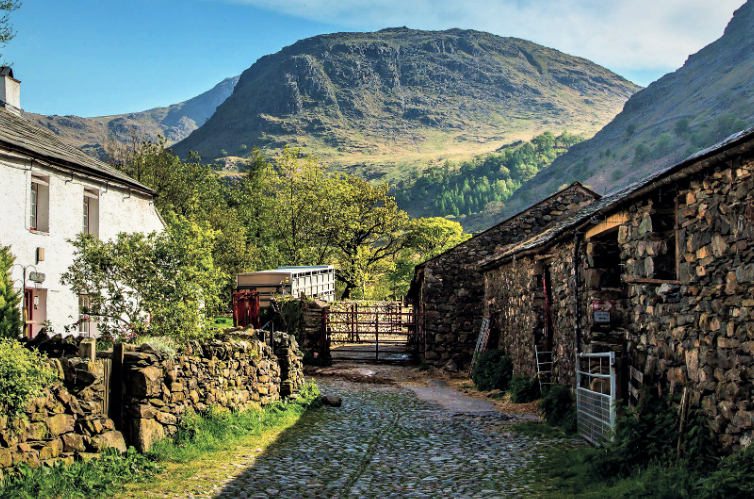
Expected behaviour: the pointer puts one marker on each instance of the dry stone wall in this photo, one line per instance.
(66, 422)
(70, 420)
(237, 373)
(451, 289)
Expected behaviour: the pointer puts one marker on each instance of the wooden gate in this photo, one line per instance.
(384, 332)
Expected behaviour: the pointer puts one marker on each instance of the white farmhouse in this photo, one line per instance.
(50, 192)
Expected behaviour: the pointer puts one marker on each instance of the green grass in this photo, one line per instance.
(218, 429)
(541, 430)
(222, 322)
(565, 471)
(83, 479)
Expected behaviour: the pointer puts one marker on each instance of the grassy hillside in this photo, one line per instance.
(378, 104)
(709, 98)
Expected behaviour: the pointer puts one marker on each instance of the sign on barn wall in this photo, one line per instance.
(601, 310)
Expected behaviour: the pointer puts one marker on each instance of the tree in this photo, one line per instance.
(303, 209)
(366, 229)
(10, 299)
(192, 190)
(425, 239)
(162, 283)
(6, 30)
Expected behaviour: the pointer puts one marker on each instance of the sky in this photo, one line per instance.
(101, 57)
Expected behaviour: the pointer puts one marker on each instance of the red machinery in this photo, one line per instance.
(246, 309)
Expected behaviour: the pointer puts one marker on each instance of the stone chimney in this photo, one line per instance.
(10, 91)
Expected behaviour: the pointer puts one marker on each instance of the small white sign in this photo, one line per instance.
(602, 316)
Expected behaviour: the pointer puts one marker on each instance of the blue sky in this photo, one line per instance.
(99, 57)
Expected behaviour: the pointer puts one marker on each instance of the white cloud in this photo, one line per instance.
(627, 34)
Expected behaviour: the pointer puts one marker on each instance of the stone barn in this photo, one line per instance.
(450, 287)
(660, 272)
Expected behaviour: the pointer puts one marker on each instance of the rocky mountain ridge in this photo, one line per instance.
(369, 102)
(173, 122)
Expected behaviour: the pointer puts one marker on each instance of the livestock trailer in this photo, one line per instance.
(316, 281)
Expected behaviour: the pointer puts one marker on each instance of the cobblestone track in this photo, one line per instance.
(386, 443)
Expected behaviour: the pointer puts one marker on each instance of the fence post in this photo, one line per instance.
(376, 335)
(116, 386)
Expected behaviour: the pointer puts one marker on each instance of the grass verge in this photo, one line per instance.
(204, 444)
(83, 479)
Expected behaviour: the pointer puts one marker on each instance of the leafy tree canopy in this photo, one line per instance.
(164, 284)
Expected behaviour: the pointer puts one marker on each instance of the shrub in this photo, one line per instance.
(10, 317)
(493, 370)
(23, 375)
(734, 477)
(524, 389)
(559, 407)
(163, 345)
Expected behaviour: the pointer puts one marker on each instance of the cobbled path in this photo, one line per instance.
(383, 443)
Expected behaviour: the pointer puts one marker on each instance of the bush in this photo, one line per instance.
(163, 345)
(23, 375)
(492, 371)
(524, 389)
(734, 477)
(10, 299)
(559, 407)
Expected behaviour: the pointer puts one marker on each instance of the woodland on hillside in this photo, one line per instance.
(483, 183)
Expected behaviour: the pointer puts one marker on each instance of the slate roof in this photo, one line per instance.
(19, 135)
(576, 185)
(611, 201)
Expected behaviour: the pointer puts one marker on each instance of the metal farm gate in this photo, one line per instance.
(595, 395)
(385, 332)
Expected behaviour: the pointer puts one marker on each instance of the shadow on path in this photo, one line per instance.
(391, 441)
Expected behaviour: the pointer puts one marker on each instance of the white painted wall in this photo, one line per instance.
(119, 211)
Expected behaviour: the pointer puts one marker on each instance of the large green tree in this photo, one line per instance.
(366, 230)
(193, 191)
(10, 299)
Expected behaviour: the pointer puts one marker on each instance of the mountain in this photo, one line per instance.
(174, 122)
(370, 101)
(709, 98)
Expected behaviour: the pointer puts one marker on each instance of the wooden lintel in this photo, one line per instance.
(611, 222)
(543, 257)
(640, 280)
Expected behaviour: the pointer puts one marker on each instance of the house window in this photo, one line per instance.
(39, 207)
(85, 320)
(91, 212)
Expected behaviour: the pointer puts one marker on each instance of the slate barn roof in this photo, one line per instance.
(19, 135)
(612, 201)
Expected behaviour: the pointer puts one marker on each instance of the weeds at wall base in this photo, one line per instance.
(82, 479)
